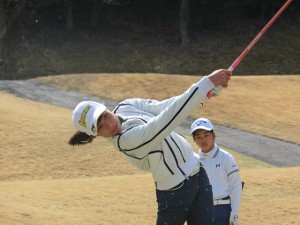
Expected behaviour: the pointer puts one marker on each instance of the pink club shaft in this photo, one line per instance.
(258, 36)
(253, 42)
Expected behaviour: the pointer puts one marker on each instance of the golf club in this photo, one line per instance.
(245, 52)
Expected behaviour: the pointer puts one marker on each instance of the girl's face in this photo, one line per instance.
(204, 139)
(108, 124)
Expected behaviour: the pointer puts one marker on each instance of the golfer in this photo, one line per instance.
(143, 130)
(222, 171)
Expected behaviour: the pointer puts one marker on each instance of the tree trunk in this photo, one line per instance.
(3, 33)
(8, 15)
(184, 22)
(97, 6)
(69, 15)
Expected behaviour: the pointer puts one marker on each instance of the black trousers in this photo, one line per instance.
(192, 202)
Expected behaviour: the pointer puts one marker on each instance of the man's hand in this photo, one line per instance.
(234, 219)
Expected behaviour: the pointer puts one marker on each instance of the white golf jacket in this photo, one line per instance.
(224, 175)
(148, 139)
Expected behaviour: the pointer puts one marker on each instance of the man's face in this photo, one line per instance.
(204, 139)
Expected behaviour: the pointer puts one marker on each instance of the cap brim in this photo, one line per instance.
(201, 128)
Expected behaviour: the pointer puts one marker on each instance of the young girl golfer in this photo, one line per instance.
(143, 130)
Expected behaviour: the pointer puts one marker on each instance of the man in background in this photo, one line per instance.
(222, 172)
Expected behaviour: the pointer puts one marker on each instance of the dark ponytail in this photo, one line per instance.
(80, 138)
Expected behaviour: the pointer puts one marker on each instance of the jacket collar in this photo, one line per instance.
(211, 154)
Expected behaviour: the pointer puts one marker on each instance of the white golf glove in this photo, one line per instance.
(217, 90)
(214, 92)
(234, 219)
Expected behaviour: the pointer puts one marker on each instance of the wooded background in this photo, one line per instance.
(32, 30)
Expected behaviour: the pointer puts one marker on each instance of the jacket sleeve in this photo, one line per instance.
(151, 106)
(235, 185)
(140, 139)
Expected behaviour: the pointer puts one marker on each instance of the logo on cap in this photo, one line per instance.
(81, 121)
(198, 123)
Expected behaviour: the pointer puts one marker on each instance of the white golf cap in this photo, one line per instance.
(201, 123)
(85, 116)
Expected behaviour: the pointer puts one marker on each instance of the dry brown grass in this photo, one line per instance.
(35, 145)
(45, 181)
(267, 105)
(270, 197)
